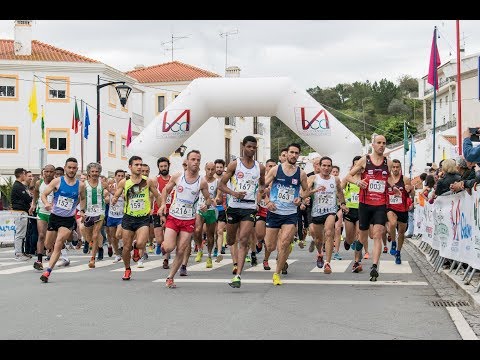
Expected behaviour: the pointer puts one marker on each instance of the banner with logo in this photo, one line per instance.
(427, 226)
(475, 244)
(7, 226)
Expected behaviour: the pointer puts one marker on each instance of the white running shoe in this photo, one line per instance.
(140, 263)
(117, 259)
(64, 262)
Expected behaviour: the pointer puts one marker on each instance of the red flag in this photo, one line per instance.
(434, 57)
(75, 118)
(129, 132)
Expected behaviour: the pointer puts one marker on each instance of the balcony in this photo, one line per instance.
(230, 123)
(440, 84)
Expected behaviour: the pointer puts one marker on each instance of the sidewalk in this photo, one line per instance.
(454, 277)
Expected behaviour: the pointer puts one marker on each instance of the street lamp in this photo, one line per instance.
(123, 92)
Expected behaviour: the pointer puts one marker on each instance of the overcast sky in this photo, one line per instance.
(312, 52)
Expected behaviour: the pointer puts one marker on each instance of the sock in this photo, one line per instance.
(49, 270)
(374, 266)
(235, 264)
(64, 253)
(39, 256)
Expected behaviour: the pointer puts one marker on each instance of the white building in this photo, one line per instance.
(62, 76)
(218, 137)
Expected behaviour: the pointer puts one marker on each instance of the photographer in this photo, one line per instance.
(470, 152)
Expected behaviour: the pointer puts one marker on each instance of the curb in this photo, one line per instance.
(5, 245)
(455, 280)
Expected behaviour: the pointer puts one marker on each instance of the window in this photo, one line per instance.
(8, 139)
(160, 103)
(8, 87)
(112, 96)
(123, 147)
(175, 96)
(255, 125)
(111, 144)
(227, 150)
(440, 104)
(58, 88)
(58, 140)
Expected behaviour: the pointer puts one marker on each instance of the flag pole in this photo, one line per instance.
(81, 136)
(404, 137)
(459, 92)
(434, 89)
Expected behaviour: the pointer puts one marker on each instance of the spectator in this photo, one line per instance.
(21, 202)
(428, 191)
(451, 175)
(469, 177)
(470, 152)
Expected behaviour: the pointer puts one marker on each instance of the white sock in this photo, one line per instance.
(64, 254)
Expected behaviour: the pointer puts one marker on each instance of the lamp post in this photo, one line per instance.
(123, 92)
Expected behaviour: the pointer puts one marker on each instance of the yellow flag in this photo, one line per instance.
(32, 104)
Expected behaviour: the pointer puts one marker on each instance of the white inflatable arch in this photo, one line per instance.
(219, 97)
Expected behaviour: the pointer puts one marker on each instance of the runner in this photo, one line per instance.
(338, 223)
(326, 191)
(43, 215)
(115, 216)
(286, 180)
(68, 191)
(372, 209)
(247, 177)
(397, 209)
(180, 221)
(222, 217)
(136, 212)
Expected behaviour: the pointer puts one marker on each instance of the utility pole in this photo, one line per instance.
(174, 38)
(226, 34)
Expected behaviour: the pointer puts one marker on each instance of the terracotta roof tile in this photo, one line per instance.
(41, 52)
(451, 138)
(167, 72)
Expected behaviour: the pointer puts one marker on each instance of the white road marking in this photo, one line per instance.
(338, 266)
(463, 328)
(148, 265)
(304, 282)
(389, 267)
(271, 263)
(83, 267)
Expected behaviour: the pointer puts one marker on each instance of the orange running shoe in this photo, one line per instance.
(127, 274)
(327, 269)
(45, 276)
(136, 255)
(170, 284)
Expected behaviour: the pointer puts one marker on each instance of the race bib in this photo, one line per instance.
(354, 199)
(65, 203)
(115, 210)
(286, 195)
(325, 200)
(50, 198)
(182, 211)
(169, 199)
(244, 186)
(377, 186)
(94, 210)
(137, 204)
(395, 200)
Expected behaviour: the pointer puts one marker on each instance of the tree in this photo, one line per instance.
(6, 191)
(383, 93)
(408, 85)
(397, 107)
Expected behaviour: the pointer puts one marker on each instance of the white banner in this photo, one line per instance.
(475, 245)
(7, 226)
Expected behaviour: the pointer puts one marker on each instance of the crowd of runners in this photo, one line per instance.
(244, 206)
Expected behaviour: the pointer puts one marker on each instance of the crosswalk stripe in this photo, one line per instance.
(389, 267)
(337, 266)
(271, 263)
(23, 268)
(8, 263)
(83, 267)
(303, 282)
(202, 266)
(148, 265)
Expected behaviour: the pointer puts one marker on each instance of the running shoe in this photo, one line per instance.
(127, 274)
(215, 252)
(91, 263)
(254, 259)
(373, 273)
(265, 265)
(357, 267)
(276, 279)
(236, 282)
(136, 255)
(165, 264)
(223, 250)
(100, 254)
(170, 284)
(285, 268)
(150, 249)
(199, 256)
(346, 245)
(302, 244)
(183, 270)
(85, 247)
(248, 259)
(140, 264)
(117, 259)
(37, 265)
(219, 258)
(311, 247)
(259, 246)
(393, 248)
(366, 256)
(64, 262)
(235, 269)
(145, 256)
(337, 256)
(385, 249)
(45, 276)
(327, 269)
(320, 261)
(110, 251)
(398, 259)
(209, 263)
(158, 250)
